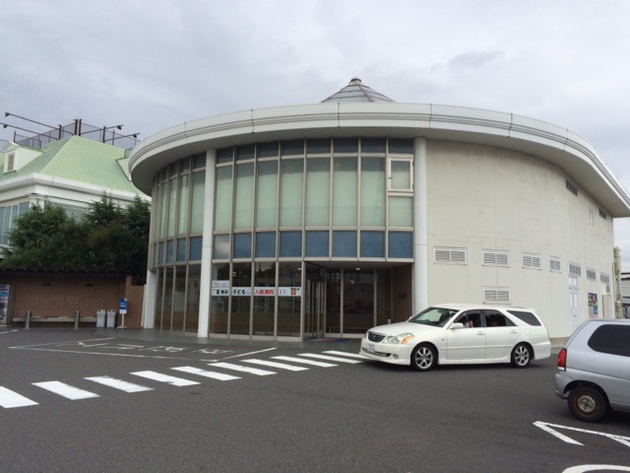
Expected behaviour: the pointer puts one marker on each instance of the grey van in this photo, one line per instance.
(594, 369)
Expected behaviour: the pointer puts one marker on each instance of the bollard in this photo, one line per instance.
(77, 316)
(27, 321)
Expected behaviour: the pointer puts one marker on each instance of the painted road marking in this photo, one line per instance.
(65, 390)
(345, 353)
(551, 429)
(321, 364)
(331, 358)
(9, 399)
(119, 384)
(205, 373)
(591, 468)
(165, 378)
(275, 364)
(243, 369)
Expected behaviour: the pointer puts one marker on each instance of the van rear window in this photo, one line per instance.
(612, 339)
(526, 317)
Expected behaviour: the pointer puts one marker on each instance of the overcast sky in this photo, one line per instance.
(154, 64)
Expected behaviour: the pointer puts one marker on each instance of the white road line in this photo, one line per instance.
(320, 364)
(65, 390)
(165, 378)
(10, 399)
(10, 331)
(345, 353)
(243, 369)
(331, 358)
(275, 364)
(119, 384)
(205, 373)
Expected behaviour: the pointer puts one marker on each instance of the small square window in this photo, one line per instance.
(317, 244)
(266, 244)
(291, 244)
(400, 245)
(345, 243)
(222, 246)
(242, 245)
(194, 252)
(181, 249)
(372, 244)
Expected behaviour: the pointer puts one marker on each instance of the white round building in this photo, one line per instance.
(323, 220)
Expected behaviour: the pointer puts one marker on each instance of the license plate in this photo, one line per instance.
(371, 349)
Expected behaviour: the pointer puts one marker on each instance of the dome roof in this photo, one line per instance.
(355, 91)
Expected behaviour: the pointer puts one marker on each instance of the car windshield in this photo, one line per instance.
(436, 316)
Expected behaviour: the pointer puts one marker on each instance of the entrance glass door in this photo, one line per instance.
(350, 301)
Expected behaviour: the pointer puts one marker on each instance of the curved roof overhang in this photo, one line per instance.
(574, 155)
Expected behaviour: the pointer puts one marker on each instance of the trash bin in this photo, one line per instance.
(100, 318)
(111, 318)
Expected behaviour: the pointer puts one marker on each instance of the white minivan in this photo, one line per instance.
(594, 369)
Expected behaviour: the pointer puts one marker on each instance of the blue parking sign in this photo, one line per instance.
(123, 306)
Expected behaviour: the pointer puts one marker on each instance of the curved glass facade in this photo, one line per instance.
(295, 222)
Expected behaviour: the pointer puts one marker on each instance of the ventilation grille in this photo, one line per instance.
(555, 264)
(531, 261)
(575, 269)
(496, 258)
(591, 274)
(496, 295)
(451, 255)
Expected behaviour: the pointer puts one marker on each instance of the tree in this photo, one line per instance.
(107, 238)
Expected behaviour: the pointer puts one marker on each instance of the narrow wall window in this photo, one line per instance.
(345, 191)
(318, 191)
(291, 192)
(243, 212)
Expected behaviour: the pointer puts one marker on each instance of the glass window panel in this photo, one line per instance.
(222, 246)
(318, 146)
(373, 192)
(223, 214)
(199, 161)
(179, 298)
(194, 252)
(266, 244)
(172, 207)
(400, 245)
(172, 169)
(245, 152)
(185, 165)
(193, 289)
(317, 244)
(241, 298)
(400, 211)
(289, 299)
(267, 198)
(268, 150)
(293, 148)
(400, 175)
(170, 251)
(373, 145)
(291, 244)
(198, 192)
(345, 191)
(184, 198)
(373, 244)
(181, 249)
(318, 191)
(225, 155)
(292, 195)
(219, 302)
(242, 245)
(264, 303)
(346, 145)
(160, 253)
(243, 214)
(400, 146)
(345, 243)
(163, 210)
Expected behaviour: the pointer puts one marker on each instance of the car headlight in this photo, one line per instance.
(399, 339)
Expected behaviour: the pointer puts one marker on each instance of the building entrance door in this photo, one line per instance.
(314, 302)
(350, 301)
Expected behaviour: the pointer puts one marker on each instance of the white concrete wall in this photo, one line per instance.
(482, 197)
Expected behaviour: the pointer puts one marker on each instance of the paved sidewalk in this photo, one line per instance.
(160, 336)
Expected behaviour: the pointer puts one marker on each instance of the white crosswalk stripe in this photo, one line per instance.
(345, 353)
(320, 364)
(65, 390)
(10, 399)
(275, 364)
(243, 369)
(205, 373)
(165, 378)
(119, 384)
(331, 358)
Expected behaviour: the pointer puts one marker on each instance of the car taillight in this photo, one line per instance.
(562, 359)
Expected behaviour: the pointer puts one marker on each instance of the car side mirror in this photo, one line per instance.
(457, 325)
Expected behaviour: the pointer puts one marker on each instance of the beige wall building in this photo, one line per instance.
(324, 220)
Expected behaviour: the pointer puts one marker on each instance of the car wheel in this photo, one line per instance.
(423, 357)
(587, 404)
(521, 355)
